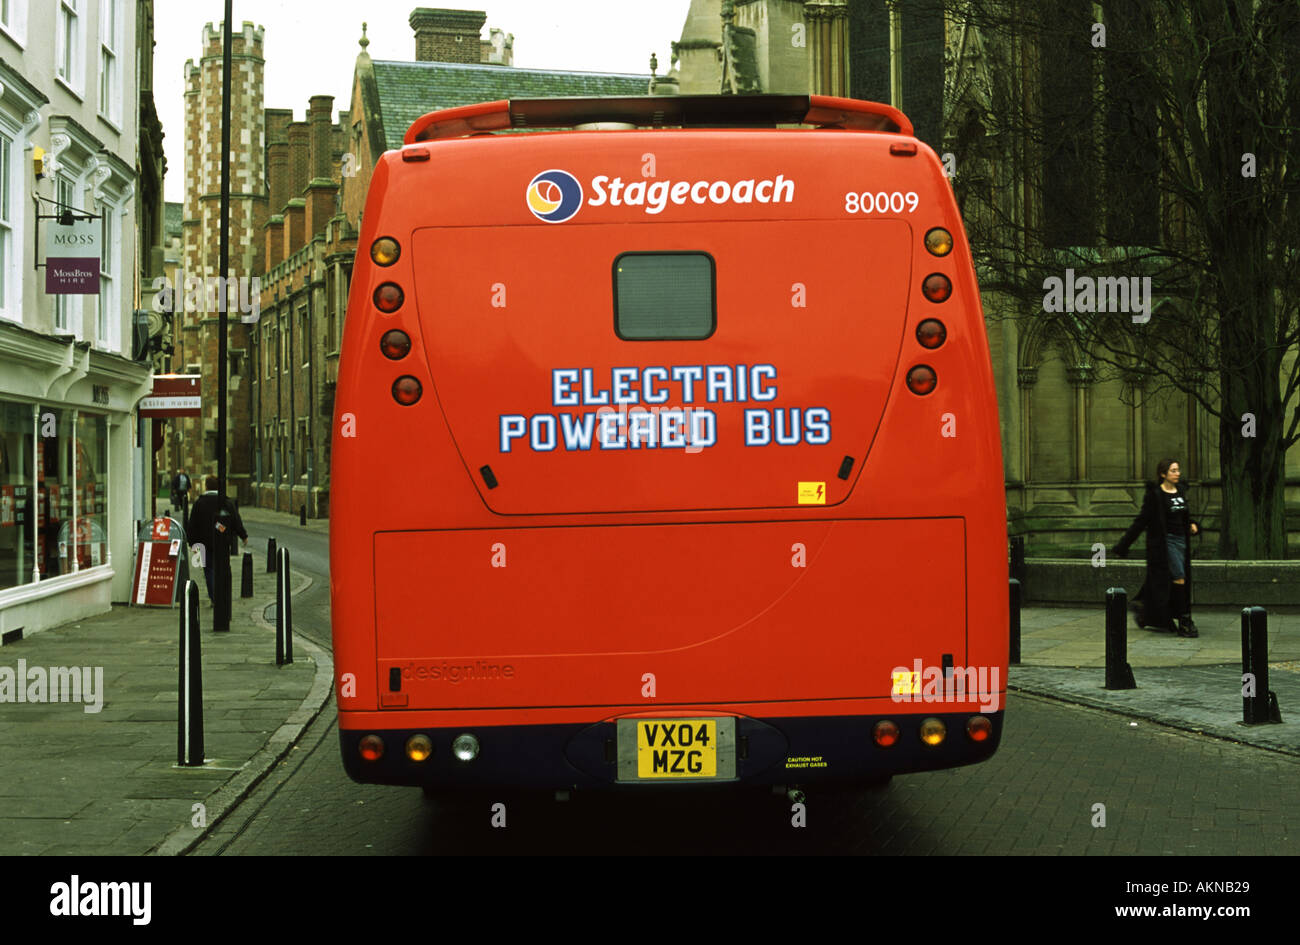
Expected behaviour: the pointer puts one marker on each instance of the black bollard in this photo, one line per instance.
(1261, 708)
(1018, 558)
(1119, 674)
(270, 556)
(283, 612)
(302, 516)
(189, 716)
(246, 578)
(1015, 622)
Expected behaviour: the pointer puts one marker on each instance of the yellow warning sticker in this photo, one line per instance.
(906, 683)
(812, 493)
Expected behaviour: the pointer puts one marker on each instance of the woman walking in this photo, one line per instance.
(1166, 519)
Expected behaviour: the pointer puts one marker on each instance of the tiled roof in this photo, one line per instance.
(408, 90)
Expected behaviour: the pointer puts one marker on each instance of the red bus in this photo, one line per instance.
(666, 452)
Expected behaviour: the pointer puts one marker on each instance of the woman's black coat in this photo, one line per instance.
(1154, 592)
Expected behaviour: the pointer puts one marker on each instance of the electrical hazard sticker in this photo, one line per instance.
(812, 493)
(906, 683)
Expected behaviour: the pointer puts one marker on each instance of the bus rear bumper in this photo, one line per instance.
(768, 751)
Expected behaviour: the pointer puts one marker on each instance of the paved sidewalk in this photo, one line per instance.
(270, 517)
(106, 782)
(1191, 684)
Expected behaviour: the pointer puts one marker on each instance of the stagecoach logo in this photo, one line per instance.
(554, 196)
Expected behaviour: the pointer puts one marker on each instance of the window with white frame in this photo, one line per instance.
(109, 316)
(13, 19)
(63, 190)
(8, 252)
(68, 43)
(110, 73)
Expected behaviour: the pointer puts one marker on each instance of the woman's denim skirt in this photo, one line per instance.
(1176, 548)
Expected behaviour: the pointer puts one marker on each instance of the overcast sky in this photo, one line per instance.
(310, 46)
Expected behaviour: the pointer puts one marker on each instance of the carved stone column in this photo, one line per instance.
(1080, 378)
(828, 46)
(1026, 378)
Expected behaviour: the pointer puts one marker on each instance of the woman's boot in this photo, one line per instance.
(1183, 609)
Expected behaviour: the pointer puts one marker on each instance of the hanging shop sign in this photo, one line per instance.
(173, 395)
(72, 252)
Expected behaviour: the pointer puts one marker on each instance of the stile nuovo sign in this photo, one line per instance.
(173, 395)
(72, 257)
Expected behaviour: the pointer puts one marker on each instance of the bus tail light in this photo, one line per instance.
(885, 733)
(933, 731)
(419, 747)
(922, 379)
(979, 728)
(938, 241)
(407, 390)
(936, 287)
(397, 344)
(385, 250)
(931, 333)
(465, 747)
(389, 297)
(371, 747)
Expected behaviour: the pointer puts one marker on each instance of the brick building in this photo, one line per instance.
(308, 250)
(195, 323)
(318, 171)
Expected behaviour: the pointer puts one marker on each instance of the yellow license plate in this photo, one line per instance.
(677, 748)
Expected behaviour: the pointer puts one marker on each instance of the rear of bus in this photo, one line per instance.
(666, 451)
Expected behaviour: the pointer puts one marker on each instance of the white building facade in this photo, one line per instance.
(68, 387)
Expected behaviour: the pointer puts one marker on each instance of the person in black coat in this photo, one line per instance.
(202, 524)
(1166, 519)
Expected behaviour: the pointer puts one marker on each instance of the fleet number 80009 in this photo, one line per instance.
(880, 202)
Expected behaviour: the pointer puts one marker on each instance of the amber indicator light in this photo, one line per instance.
(385, 250)
(938, 241)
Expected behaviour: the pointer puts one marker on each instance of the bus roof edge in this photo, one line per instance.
(653, 111)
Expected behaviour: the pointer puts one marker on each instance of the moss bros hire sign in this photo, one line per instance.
(72, 257)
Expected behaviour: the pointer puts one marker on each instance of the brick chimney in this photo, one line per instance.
(277, 172)
(299, 135)
(320, 108)
(447, 35)
(277, 181)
